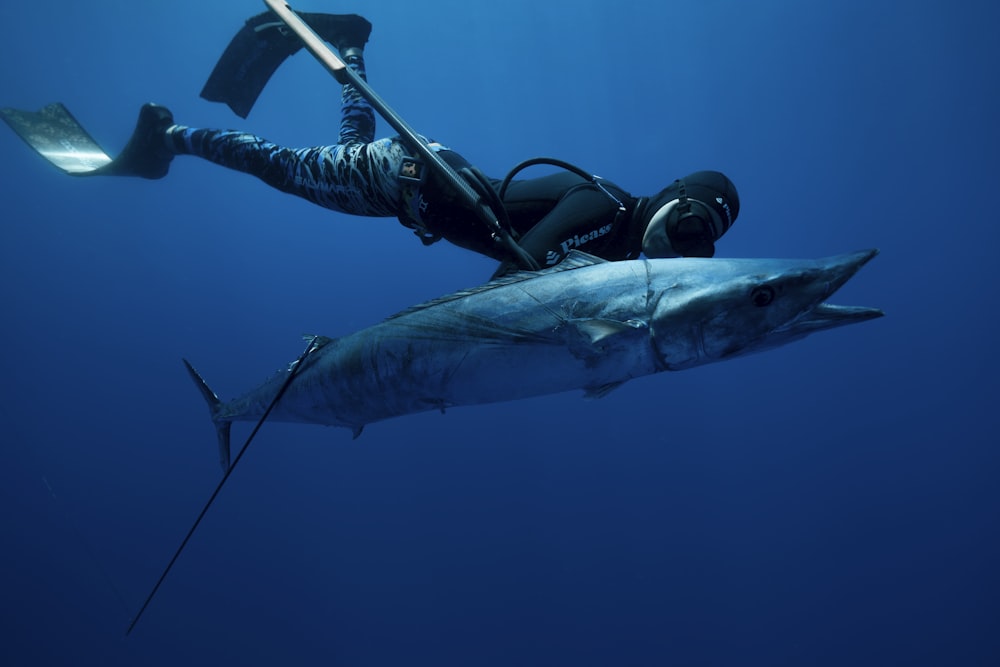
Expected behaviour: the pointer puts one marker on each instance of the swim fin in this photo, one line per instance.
(59, 138)
(262, 44)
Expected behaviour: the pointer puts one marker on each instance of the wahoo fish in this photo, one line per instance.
(585, 324)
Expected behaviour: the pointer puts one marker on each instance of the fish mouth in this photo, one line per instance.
(841, 268)
(827, 316)
(838, 270)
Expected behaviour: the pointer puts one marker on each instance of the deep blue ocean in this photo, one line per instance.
(832, 502)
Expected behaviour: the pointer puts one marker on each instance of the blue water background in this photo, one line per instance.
(832, 502)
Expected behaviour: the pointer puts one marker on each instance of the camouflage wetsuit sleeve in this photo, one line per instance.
(357, 175)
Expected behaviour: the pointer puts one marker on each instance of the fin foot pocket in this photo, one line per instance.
(344, 31)
(146, 154)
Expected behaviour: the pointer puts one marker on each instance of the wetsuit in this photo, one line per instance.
(359, 175)
(562, 212)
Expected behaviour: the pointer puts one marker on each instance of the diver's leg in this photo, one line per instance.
(357, 118)
(355, 178)
(357, 175)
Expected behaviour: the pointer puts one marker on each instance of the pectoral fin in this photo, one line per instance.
(589, 337)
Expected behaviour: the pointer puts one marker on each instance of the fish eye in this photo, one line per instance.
(762, 295)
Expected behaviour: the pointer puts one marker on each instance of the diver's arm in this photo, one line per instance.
(584, 219)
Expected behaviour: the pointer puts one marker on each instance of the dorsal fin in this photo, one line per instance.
(600, 391)
(574, 260)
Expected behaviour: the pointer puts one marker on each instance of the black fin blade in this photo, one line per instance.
(245, 67)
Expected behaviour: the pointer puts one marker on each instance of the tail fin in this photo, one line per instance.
(214, 405)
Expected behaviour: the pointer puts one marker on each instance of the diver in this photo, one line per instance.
(548, 216)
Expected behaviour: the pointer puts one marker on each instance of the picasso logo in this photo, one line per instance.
(578, 240)
(725, 207)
